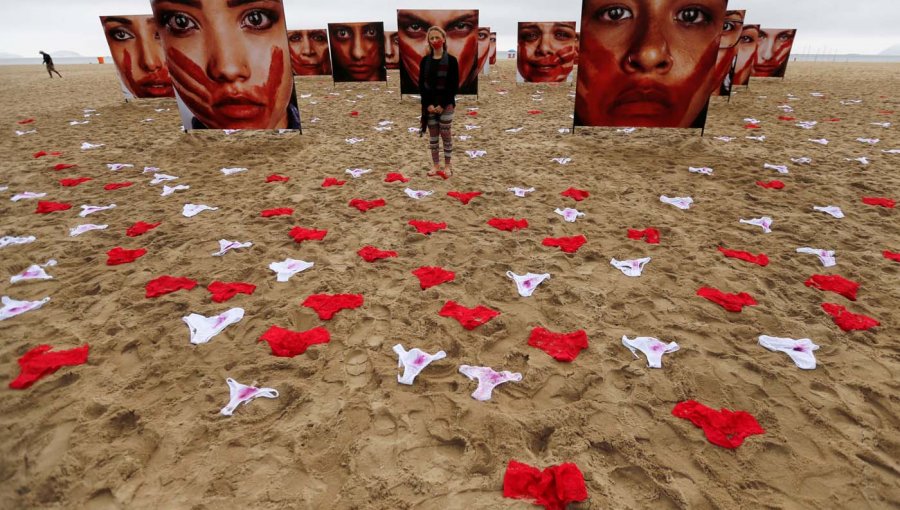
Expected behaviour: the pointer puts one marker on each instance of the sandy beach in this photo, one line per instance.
(138, 425)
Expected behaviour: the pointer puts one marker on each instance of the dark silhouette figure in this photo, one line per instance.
(49, 63)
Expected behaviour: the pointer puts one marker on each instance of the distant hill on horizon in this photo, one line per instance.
(893, 50)
(65, 53)
(4, 54)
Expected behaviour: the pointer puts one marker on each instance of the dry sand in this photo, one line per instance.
(138, 426)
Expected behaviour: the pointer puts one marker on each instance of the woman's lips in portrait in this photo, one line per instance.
(359, 71)
(545, 67)
(154, 86)
(240, 107)
(642, 101)
(766, 68)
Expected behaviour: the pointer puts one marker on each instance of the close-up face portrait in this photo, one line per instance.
(484, 45)
(647, 63)
(136, 49)
(773, 51)
(462, 42)
(492, 58)
(309, 52)
(229, 62)
(391, 50)
(746, 54)
(357, 51)
(546, 51)
(731, 34)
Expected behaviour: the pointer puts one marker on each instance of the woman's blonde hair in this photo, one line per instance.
(443, 34)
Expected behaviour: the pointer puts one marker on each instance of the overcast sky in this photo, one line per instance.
(825, 26)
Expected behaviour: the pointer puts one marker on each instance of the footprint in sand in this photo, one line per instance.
(356, 365)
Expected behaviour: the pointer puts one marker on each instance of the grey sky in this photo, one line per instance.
(861, 26)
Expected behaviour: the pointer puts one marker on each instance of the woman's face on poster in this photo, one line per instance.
(484, 46)
(391, 50)
(229, 61)
(136, 49)
(647, 62)
(462, 39)
(773, 51)
(493, 49)
(746, 54)
(731, 34)
(309, 52)
(547, 51)
(357, 51)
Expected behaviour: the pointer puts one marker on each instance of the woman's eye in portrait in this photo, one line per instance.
(120, 34)
(259, 19)
(563, 35)
(482, 36)
(342, 34)
(460, 28)
(395, 39)
(178, 23)
(414, 30)
(370, 32)
(693, 16)
(613, 14)
(320, 38)
(785, 36)
(747, 39)
(730, 26)
(295, 38)
(530, 36)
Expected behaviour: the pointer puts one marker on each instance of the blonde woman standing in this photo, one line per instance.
(438, 84)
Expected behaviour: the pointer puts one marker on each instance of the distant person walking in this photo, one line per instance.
(49, 63)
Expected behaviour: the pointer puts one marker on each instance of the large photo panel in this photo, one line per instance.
(773, 52)
(462, 42)
(728, 47)
(357, 51)
(547, 51)
(140, 61)
(309, 52)
(484, 49)
(391, 50)
(746, 55)
(629, 76)
(230, 63)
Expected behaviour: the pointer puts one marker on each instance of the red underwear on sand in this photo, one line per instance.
(834, 283)
(278, 211)
(508, 224)
(891, 255)
(650, 235)
(223, 291)
(566, 244)
(760, 260)
(883, 202)
(140, 228)
(166, 284)
(37, 363)
(331, 181)
(371, 253)
(771, 184)
(40, 154)
(25, 121)
(301, 234)
(427, 227)
(277, 178)
(63, 166)
(553, 488)
(394, 177)
(119, 255)
(287, 344)
(465, 198)
(73, 182)
(560, 346)
(576, 194)
(365, 205)
(49, 207)
(730, 302)
(326, 305)
(117, 185)
(723, 428)
(469, 318)
(849, 321)
(429, 276)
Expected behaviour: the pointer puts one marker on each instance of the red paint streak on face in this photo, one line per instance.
(129, 73)
(607, 95)
(723, 65)
(228, 105)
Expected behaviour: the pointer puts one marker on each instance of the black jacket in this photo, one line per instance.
(428, 69)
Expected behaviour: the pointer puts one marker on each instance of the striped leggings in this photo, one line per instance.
(440, 125)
